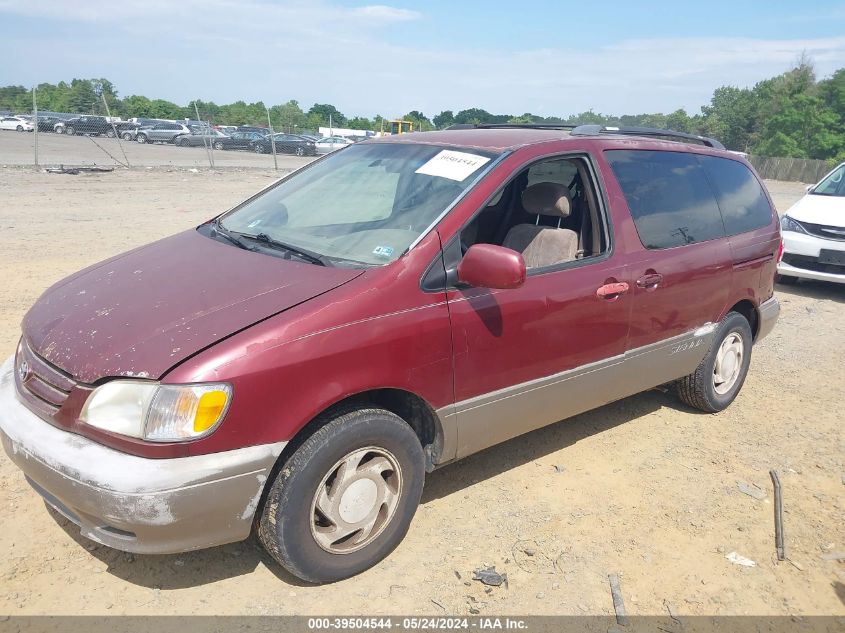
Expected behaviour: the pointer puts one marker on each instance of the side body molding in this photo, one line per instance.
(488, 419)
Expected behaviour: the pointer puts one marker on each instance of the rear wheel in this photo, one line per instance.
(345, 498)
(718, 378)
(110, 133)
(300, 151)
(127, 136)
(184, 142)
(70, 130)
(142, 138)
(218, 145)
(259, 149)
(19, 128)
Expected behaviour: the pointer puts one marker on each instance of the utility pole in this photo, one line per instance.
(204, 138)
(272, 140)
(35, 129)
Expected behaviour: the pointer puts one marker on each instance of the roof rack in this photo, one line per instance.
(526, 126)
(592, 130)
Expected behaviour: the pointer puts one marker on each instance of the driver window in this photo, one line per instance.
(548, 211)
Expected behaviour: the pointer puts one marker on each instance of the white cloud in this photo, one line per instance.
(383, 13)
(318, 51)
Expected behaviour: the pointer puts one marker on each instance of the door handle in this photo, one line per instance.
(610, 292)
(649, 280)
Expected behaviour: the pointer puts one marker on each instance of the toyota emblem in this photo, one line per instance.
(23, 371)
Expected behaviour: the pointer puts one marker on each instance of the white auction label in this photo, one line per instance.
(453, 165)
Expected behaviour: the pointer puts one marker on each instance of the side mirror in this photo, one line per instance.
(489, 266)
(809, 188)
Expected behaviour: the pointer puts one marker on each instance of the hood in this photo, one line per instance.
(818, 209)
(141, 313)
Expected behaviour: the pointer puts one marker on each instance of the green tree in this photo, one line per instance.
(324, 111)
(444, 119)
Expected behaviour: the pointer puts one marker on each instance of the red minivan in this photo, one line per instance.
(300, 362)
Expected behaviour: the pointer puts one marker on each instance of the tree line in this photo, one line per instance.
(793, 114)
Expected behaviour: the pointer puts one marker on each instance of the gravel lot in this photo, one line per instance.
(644, 487)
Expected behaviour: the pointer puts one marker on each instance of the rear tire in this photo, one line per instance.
(127, 136)
(219, 146)
(110, 134)
(70, 130)
(300, 151)
(184, 142)
(141, 138)
(19, 128)
(259, 149)
(718, 378)
(343, 500)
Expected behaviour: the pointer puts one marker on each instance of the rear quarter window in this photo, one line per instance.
(669, 197)
(741, 199)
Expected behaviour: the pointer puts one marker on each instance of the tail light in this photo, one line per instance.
(780, 251)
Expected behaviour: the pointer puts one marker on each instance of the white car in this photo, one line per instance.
(814, 233)
(331, 143)
(15, 123)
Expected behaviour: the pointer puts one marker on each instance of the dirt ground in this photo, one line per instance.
(645, 487)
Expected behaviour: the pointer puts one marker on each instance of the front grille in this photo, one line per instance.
(826, 231)
(43, 384)
(811, 263)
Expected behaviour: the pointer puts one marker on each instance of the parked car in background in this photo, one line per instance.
(47, 123)
(263, 131)
(286, 144)
(16, 123)
(201, 137)
(88, 125)
(239, 140)
(299, 363)
(124, 129)
(161, 132)
(814, 233)
(331, 143)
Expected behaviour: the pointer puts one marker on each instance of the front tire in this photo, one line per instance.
(259, 149)
(344, 499)
(19, 128)
(141, 138)
(219, 146)
(110, 134)
(127, 136)
(718, 378)
(70, 130)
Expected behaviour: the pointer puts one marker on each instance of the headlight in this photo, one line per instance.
(788, 224)
(155, 412)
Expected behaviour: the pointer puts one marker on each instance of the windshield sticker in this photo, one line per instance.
(384, 252)
(453, 165)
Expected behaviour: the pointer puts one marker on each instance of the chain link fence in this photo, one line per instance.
(77, 140)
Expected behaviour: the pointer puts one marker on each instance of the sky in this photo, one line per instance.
(546, 57)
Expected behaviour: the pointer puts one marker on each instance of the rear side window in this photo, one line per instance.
(669, 197)
(741, 199)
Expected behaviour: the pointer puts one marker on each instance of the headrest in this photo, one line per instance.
(547, 198)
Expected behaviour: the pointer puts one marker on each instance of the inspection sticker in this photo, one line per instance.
(453, 165)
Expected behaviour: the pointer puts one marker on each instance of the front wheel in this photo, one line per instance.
(141, 138)
(127, 136)
(259, 149)
(70, 131)
(300, 151)
(184, 142)
(19, 128)
(219, 146)
(110, 134)
(345, 498)
(718, 378)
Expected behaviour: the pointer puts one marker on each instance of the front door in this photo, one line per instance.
(531, 356)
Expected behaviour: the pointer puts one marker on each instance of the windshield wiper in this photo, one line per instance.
(311, 256)
(229, 237)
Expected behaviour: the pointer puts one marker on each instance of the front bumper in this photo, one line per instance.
(131, 503)
(806, 249)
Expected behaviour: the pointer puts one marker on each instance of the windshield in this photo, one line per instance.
(833, 185)
(365, 204)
